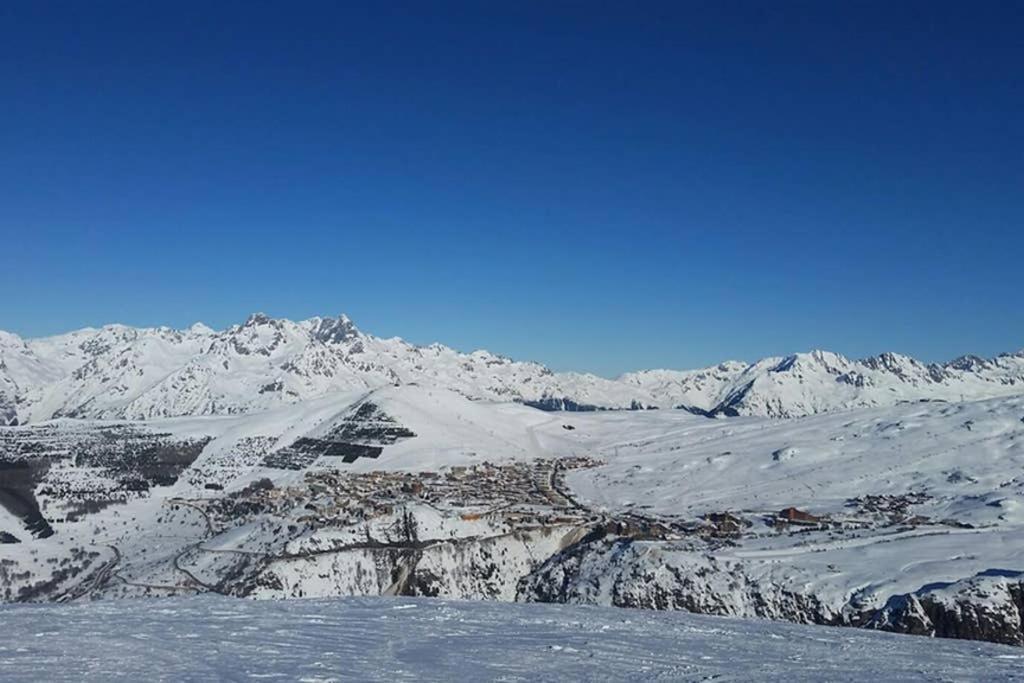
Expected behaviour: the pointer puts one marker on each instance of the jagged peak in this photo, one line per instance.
(890, 360)
(330, 353)
(894, 356)
(258, 318)
(334, 330)
(822, 355)
(968, 362)
(829, 360)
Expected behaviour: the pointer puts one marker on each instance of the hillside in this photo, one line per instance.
(905, 518)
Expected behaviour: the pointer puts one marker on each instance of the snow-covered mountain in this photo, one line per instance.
(120, 372)
(821, 382)
(123, 372)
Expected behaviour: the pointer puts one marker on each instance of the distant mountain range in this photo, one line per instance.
(121, 372)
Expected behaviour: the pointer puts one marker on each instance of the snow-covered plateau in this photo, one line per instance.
(408, 639)
(310, 460)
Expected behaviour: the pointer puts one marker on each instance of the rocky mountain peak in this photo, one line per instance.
(123, 372)
(334, 330)
(832, 363)
(257, 319)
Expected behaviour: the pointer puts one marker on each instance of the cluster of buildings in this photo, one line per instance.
(517, 494)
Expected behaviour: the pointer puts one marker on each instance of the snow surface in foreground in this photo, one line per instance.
(383, 639)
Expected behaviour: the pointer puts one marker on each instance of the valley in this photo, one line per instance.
(905, 518)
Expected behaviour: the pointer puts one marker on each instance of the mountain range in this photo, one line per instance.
(122, 372)
(280, 459)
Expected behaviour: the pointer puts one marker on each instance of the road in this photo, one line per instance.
(192, 578)
(94, 581)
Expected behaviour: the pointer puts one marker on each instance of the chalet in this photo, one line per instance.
(795, 516)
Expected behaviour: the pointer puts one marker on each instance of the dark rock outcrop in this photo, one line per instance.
(552, 404)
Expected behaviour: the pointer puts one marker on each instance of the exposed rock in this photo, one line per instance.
(622, 572)
(987, 607)
(550, 403)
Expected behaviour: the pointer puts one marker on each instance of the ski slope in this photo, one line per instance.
(381, 639)
(917, 509)
(953, 475)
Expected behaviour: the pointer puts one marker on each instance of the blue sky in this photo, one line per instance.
(598, 186)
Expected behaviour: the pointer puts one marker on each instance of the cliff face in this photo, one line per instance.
(625, 573)
(485, 568)
(989, 607)
(620, 572)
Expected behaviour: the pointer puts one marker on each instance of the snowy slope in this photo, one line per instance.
(21, 369)
(450, 430)
(917, 510)
(701, 389)
(821, 381)
(375, 639)
(923, 500)
(8, 398)
(119, 372)
(675, 463)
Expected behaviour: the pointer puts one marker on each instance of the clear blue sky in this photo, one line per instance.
(598, 186)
